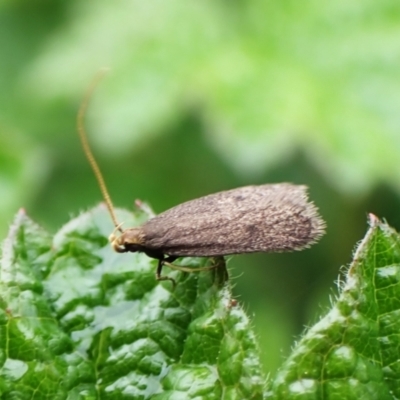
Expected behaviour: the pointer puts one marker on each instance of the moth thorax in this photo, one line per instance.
(129, 240)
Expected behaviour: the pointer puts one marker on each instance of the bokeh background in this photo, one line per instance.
(204, 96)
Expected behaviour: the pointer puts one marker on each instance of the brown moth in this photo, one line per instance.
(263, 218)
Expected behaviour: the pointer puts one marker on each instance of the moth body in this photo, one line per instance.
(264, 218)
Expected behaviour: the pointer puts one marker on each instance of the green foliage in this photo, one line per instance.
(79, 321)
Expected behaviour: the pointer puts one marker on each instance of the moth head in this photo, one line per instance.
(131, 239)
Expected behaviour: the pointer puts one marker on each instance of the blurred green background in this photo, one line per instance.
(204, 96)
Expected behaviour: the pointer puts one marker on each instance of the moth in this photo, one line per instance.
(249, 219)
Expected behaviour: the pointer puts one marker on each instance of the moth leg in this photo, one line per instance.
(217, 262)
(160, 277)
(168, 261)
(220, 269)
(188, 269)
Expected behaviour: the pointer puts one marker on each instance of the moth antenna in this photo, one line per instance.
(86, 148)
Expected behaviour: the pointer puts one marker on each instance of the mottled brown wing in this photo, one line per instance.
(265, 218)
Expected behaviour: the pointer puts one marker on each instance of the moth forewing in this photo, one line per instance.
(264, 218)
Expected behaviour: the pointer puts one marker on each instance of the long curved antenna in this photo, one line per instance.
(86, 148)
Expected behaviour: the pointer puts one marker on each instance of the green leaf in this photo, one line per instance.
(354, 351)
(79, 321)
